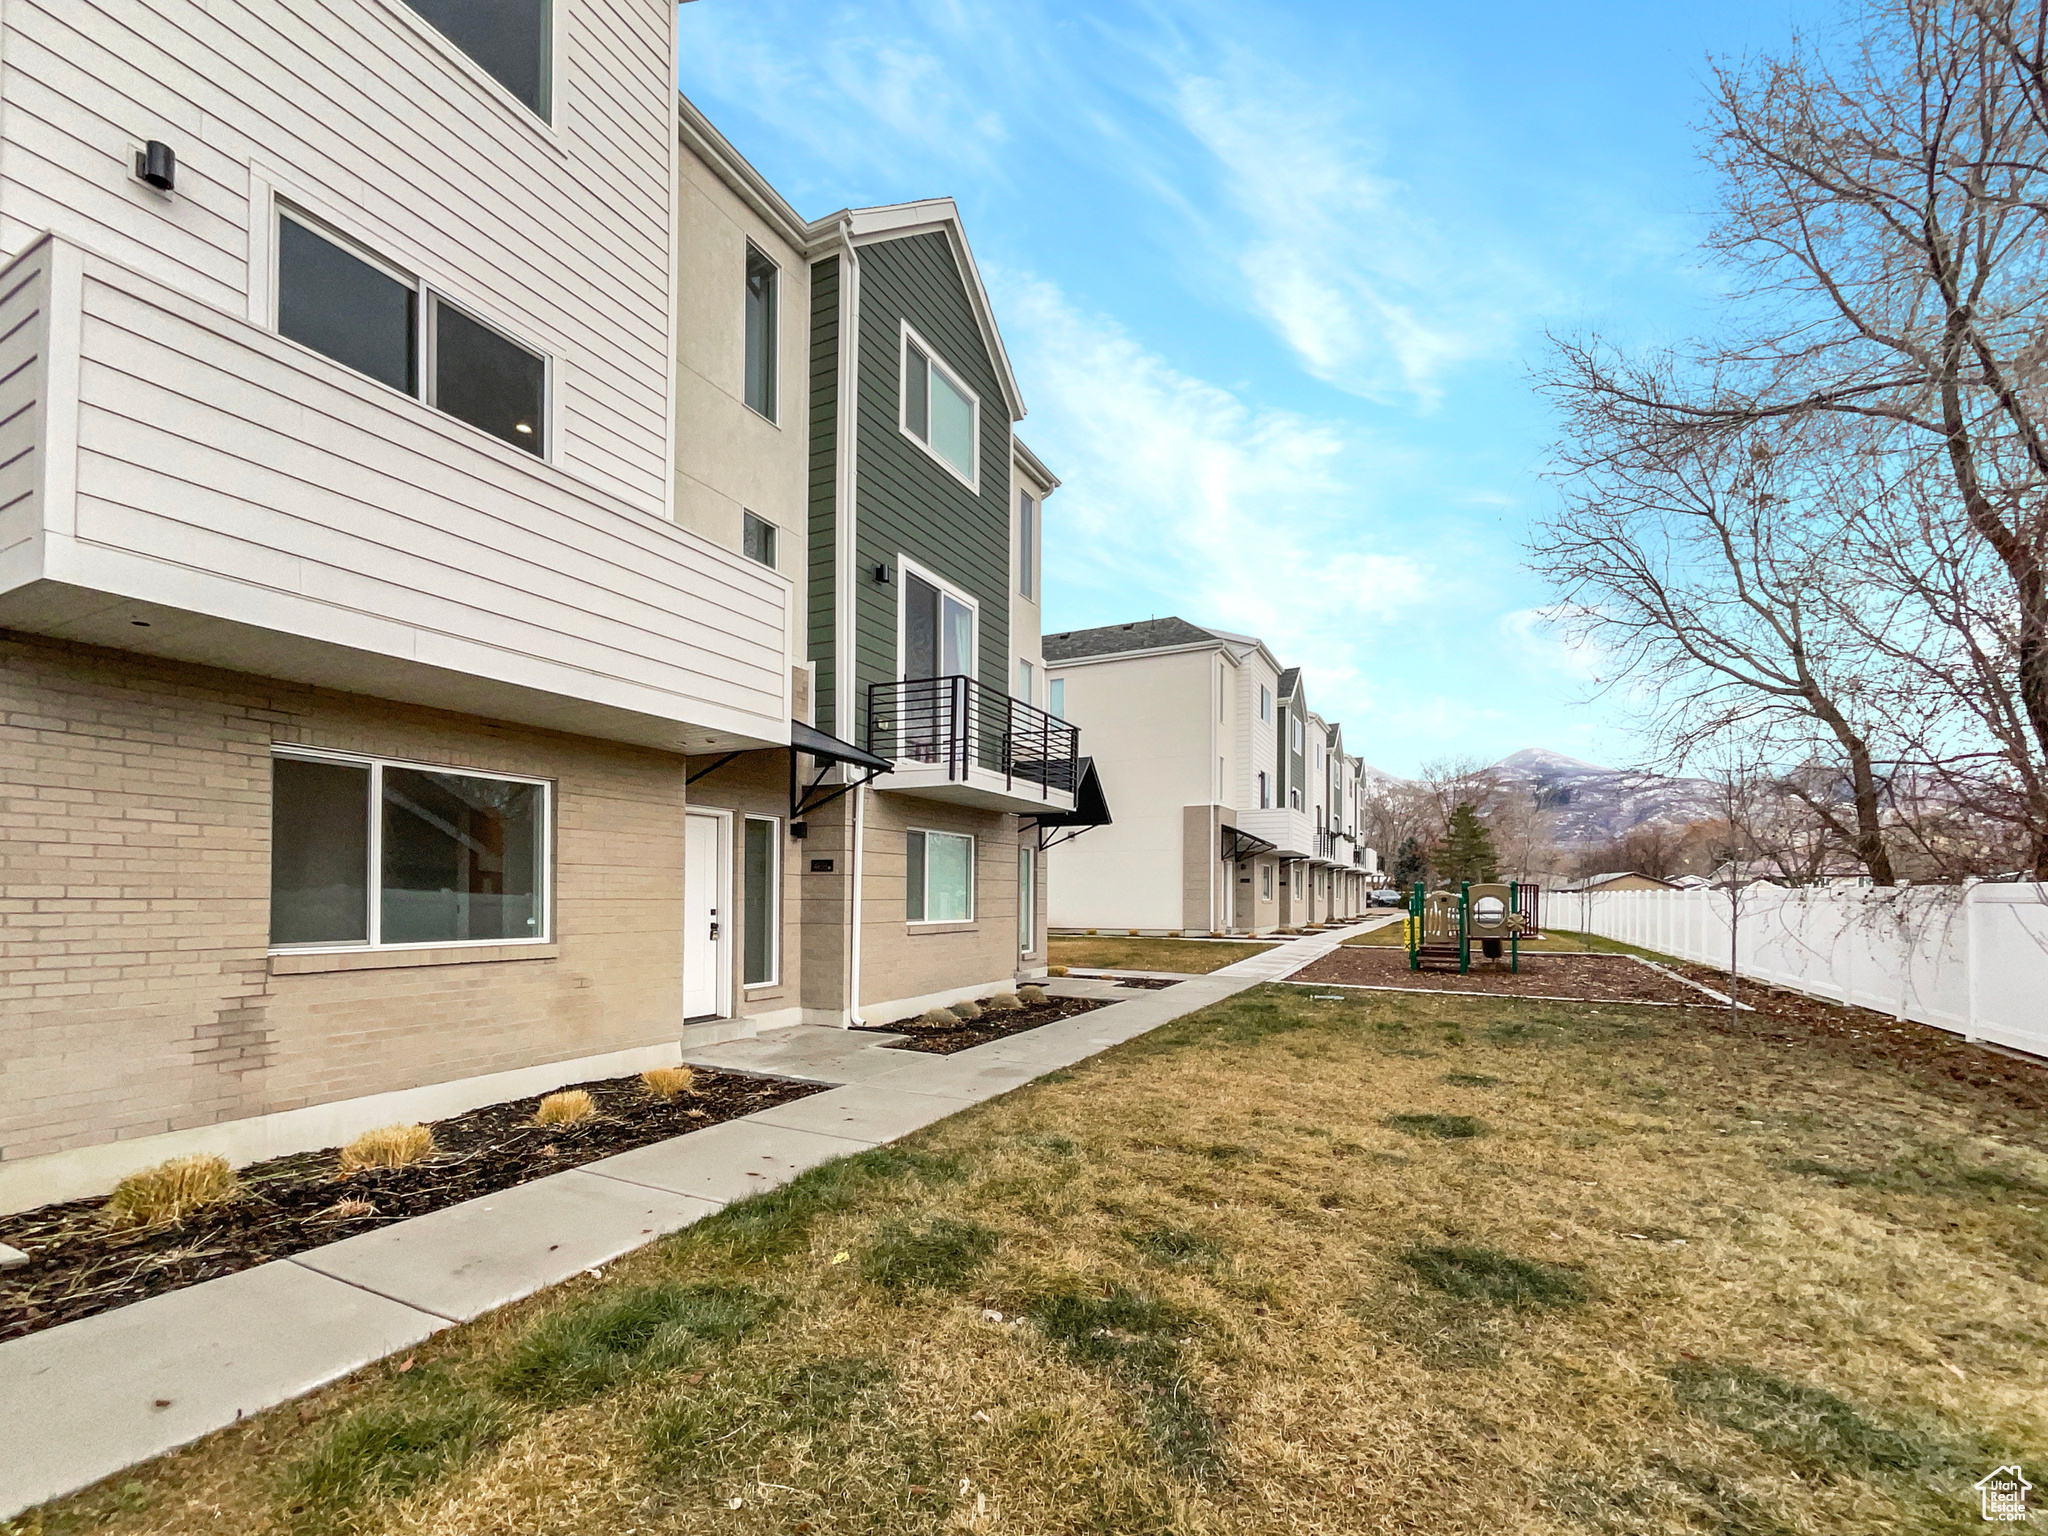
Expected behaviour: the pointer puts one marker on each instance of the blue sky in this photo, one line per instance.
(1273, 276)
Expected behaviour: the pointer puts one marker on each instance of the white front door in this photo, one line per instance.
(703, 921)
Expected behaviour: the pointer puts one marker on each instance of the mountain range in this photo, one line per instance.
(1599, 805)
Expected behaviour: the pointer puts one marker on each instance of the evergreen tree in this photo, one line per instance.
(1467, 853)
(1408, 866)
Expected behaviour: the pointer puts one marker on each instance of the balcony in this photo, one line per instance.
(1290, 832)
(177, 481)
(953, 738)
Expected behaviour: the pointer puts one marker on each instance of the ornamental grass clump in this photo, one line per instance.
(391, 1146)
(939, 1018)
(969, 1010)
(1031, 996)
(1003, 1002)
(668, 1082)
(171, 1191)
(565, 1108)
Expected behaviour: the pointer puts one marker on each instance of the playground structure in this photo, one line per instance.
(1442, 926)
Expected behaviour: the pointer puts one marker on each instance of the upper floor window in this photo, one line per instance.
(1056, 697)
(762, 279)
(1265, 702)
(1265, 791)
(1294, 727)
(340, 300)
(1024, 681)
(1222, 690)
(757, 539)
(1027, 542)
(512, 41)
(939, 411)
(1294, 799)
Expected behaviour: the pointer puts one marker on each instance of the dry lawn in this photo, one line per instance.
(1391, 1263)
(1191, 957)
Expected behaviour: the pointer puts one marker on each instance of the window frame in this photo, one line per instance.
(946, 589)
(1027, 544)
(774, 825)
(1056, 697)
(909, 338)
(774, 560)
(973, 877)
(1265, 790)
(1265, 704)
(1027, 681)
(1027, 899)
(427, 295)
(773, 414)
(547, 123)
(544, 879)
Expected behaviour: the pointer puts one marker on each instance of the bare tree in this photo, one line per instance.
(1707, 565)
(1886, 201)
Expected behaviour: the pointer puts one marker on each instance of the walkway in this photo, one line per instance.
(106, 1392)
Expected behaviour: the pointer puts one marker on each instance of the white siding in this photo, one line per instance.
(560, 234)
(24, 298)
(227, 473)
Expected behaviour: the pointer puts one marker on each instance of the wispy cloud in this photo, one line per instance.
(1346, 262)
(1185, 498)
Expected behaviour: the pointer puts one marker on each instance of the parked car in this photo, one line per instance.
(1386, 898)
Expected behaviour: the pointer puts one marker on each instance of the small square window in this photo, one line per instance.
(939, 877)
(757, 539)
(510, 40)
(485, 378)
(762, 281)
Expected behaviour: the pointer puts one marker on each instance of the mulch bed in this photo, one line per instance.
(77, 1267)
(938, 1040)
(1596, 978)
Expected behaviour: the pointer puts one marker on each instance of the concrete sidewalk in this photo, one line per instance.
(109, 1391)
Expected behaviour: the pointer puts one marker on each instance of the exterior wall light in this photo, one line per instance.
(157, 163)
(882, 573)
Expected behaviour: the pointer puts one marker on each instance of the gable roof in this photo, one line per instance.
(1289, 676)
(899, 221)
(1116, 639)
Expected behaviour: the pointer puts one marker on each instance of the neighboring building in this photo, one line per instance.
(421, 526)
(924, 544)
(1236, 808)
(1618, 880)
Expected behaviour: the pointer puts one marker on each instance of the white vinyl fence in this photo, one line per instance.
(1971, 959)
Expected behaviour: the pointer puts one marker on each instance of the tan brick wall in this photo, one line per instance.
(900, 961)
(136, 993)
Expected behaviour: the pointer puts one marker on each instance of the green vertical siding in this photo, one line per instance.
(908, 503)
(824, 427)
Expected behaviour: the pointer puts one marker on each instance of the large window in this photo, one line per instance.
(373, 853)
(1056, 697)
(938, 630)
(1027, 542)
(939, 878)
(761, 899)
(340, 300)
(939, 411)
(509, 39)
(762, 278)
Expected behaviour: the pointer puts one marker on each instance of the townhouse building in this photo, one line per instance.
(441, 613)
(1236, 804)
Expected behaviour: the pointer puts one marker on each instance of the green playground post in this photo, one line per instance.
(1514, 928)
(1464, 940)
(1415, 928)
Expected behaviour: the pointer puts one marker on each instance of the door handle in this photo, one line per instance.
(714, 930)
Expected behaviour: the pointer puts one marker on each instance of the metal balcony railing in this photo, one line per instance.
(964, 724)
